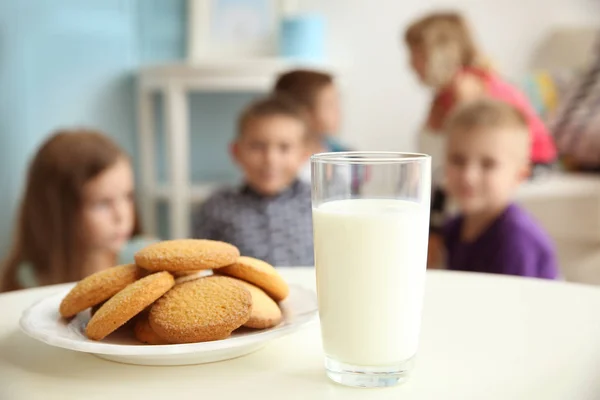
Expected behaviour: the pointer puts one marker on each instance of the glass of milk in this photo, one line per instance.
(371, 223)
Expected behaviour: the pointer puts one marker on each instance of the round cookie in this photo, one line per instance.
(127, 304)
(129, 324)
(181, 274)
(201, 310)
(265, 312)
(258, 273)
(186, 255)
(181, 278)
(97, 288)
(96, 308)
(144, 333)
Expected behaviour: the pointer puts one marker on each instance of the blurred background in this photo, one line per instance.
(167, 78)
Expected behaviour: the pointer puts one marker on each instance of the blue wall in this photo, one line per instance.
(63, 63)
(73, 62)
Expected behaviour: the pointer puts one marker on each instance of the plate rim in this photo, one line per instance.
(140, 350)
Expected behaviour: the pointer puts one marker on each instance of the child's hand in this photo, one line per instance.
(435, 252)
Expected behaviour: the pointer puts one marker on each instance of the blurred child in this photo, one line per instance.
(269, 216)
(77, 215)
(444, 55)
(487, 158)
(318, 94)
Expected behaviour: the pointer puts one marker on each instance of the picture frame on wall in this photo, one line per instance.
(219, 29)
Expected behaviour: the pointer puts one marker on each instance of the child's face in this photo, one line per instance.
(271, 151)
(108, 208)
(418, 62)
(484, 169)
(326, 112)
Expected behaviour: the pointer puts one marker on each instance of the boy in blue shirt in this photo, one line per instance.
(269, 216)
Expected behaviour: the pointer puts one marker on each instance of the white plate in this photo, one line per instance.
(42, 321)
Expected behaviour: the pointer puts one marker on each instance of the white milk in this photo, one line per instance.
(370, 258)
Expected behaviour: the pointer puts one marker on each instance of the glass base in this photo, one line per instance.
(368, 377)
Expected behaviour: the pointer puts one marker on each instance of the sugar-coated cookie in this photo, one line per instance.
(191, 276)
(127, 304)
(201, 310)
(97, 288)
(260, 274)
(186, 255)
(96, 308)
(265, 311)
(144, 333)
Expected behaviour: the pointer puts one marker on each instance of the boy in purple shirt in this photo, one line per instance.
(487, 158)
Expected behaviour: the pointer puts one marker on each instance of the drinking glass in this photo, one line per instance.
(371, 224)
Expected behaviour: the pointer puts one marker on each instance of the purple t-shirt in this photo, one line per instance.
(513, 244)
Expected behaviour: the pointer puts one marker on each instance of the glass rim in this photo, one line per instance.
(368, 157)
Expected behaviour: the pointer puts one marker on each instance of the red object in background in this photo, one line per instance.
(543, 149)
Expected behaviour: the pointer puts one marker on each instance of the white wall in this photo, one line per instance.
(384, 104)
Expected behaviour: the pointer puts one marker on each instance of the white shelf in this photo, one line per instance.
(224, 74)
(174, 82)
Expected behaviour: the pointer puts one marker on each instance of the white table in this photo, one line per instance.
(484, 337)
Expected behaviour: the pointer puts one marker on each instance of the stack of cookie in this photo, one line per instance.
(170, 298)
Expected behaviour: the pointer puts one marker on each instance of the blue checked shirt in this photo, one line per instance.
(275, 229)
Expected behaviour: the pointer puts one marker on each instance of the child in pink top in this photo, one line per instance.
(445, 57)
(543, 150)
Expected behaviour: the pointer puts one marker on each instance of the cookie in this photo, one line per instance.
(260, 274)
(181, 274)
(96, 308)
(97, 288)
(265, 312)
(186, 255)
(182, 278)
(127, 326)
(127, 304)
(201, 310)
(145, 334)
